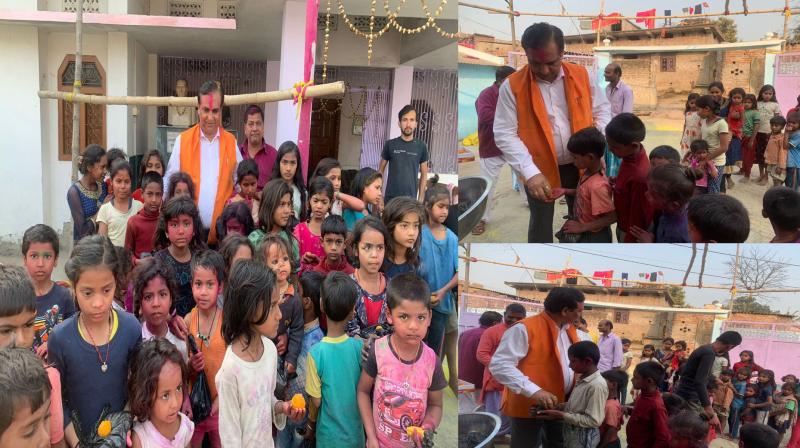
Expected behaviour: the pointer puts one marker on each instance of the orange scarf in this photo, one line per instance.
(190, 164)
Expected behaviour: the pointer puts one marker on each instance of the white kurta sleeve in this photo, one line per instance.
(506, 134)
(601, 108)
(513, 347)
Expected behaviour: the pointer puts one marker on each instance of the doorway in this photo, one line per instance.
(324, 141)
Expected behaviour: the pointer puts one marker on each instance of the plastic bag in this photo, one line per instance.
(200, 396)
(117, 435)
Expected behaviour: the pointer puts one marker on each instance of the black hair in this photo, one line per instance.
(771, 375)
(90, 252)
(583, 321)
(674, 182)
(271, 197)
(793, 116)
(362, 225)
(587, 141)
(143, 169)
(115, 154)
(720, 218)
(717, 84)
(273, 239)
(172, 210)
(727, 372)
(689, 426)
(616, 67)
(489, 318)
(319, 185)
(692, 96)
(24, 383)
(782, 207)
(730, 338)
(778, 119)
(333, 224)
(310, 283)
(91, 156)
(175, 179)
(151, 177)
(737, 91)
(393, 215)
(757, 435)
(230, 244)
(285, 148)
(145, 367)
(209, 87)
(39, 233)
(610, 324)
(253, 109)
(407, 286)
(625, 129)
(211, 260)
(120, 165)
(698, 145)
(339, 293)
(745, 370)
(146, 270)
(752, 98)
(247, 167)
(585, 350)
(674, 403)
(503, 72)
(125, 257)
(240, 212)
(668, 339)
(247, 300)
(560, 298)
(434, 193)
(709, 102)
(406, 109)
(650, 371)
(540, 34)
(682, 343)
(625, 341)
(617, 377)
(516, 308)
(16, 291)
(325, 166)
(363, 178)
(766, 87)
(650, 346)
(666, 152)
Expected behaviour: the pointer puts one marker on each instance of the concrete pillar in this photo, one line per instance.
(293, 37)
(401, 96)
(117, 73)
(271, 109)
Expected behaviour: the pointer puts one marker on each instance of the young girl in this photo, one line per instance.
(786, 413)
(747, 360)
(288, 167)
(247, 177)
(180, 185)
(648, 353)
(308, 234)
(691, 123)
(368, 248)
(367, 186)
(154, 163)
(290, 331)
(403, 219)
(154, 287)
(763, 404)
(669, 188)
(91, 349)
(330, 169)
(234, 219)
(233, 249)
(739, 386)
(401, 371)
(179, 233)
(750, 400)
(87, 194)
(714, 130)
(768, 107)
(156, 387)
(735, 118)
(112, 156)
(439, 262)
(246, 380)
(274, 216)
(112, 219)
(717, 91)
(751, 124)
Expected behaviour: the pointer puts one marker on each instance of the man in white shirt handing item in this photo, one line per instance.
(539, 107)
(532, 363)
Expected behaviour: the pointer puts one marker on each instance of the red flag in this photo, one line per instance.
(607, 20)
(553, 276)
(648, 23)
(606, 276)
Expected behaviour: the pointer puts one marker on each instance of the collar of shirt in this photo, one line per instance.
(245, 149)
(203, 136)
(558, 78)
(611, 88)
(589, 378)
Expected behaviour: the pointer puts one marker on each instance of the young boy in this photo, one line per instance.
(793, 151)
(401, 371)
(613, 412)
(17, 315)
(24, 398)
(664, 155)
(776, 151)
(723, 397)
(756, 435)
(627, 367)
(334, 367)
(333, 234)
(141, 228)
(648, 423)
(54, 302)
(585, 409)
(594, 209)
(715, 218)
(625, 134)
(781, 205)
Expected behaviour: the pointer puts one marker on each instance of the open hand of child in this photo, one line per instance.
(294, 414)
(178, 327)
(641, 235)
(309, 258)
(557, 193)
(549, 414)
(283, 342)
(573, 226)
(41, 351)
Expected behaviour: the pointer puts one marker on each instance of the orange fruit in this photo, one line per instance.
(378, 328)
(104, 429)
(411, 430)
(298, 402)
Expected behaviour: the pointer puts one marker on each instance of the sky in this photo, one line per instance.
(750, 28)
(671, 259)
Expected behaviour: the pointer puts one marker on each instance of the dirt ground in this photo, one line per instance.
(509, 220)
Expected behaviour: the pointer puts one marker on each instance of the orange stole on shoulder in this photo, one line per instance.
(541, 364)
(533, 124)
(190, 164)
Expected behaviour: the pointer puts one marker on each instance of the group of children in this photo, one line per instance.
(670, 197)
(324, 323)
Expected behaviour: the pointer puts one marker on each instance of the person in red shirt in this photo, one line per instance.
(469, 368)
(735, 119)
(749, 362)
(141, 229)
(624, 135)
(333, 234)
(647, 427)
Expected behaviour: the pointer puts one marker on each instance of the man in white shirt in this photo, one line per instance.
(620, 96)
(535, 369)
(539, 107)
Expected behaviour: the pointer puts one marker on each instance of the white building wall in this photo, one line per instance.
(271, 109)
(350, 145)
(401, 95)
(291, 70)
(152, 90)
(117, 75)
(138, 82)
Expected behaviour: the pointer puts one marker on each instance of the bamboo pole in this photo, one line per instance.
(76, 89)
(487, 8)
(735, 275)
(786, 23)
(316, 91)
(513, 25)
(600, 23)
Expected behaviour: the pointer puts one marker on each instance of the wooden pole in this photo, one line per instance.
(735, 274)
(786, 23)
(330, 89)
(513, 25)
(76, 89)
(600, 23)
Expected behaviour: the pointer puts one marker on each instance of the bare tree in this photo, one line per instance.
(759, 269)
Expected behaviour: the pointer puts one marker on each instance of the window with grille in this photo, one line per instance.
(92, 125)
(668, 63)
(186, 8)
(88, 5)
(362, 23)
(621, 317)
(227, 9)
(333, 22)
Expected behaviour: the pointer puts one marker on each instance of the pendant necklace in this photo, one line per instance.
(206, 338)
(103, 364)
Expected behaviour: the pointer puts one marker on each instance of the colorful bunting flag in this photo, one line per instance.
(607, 20)
(648, 23)
(606, 276)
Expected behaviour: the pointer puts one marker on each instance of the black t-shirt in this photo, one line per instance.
(51, 309)
(404, 160)
(694, 375)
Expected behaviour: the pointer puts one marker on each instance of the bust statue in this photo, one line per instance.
(181, 116)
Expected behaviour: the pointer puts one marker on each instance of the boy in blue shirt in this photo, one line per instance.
(793, 151)
(334, 367)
